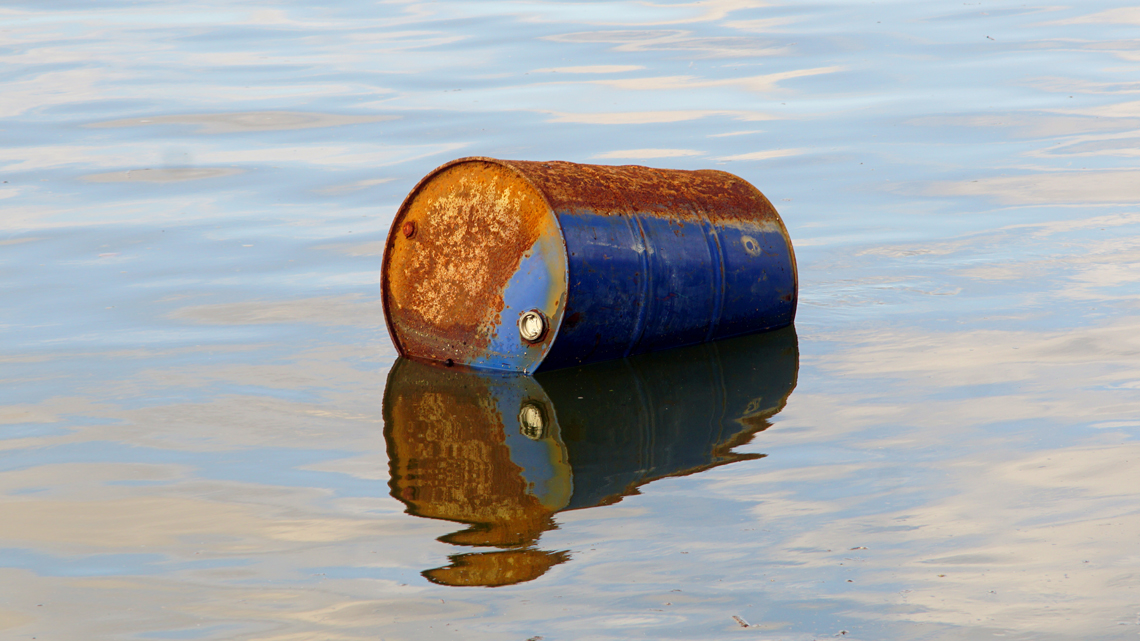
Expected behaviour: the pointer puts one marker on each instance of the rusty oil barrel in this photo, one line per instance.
(526, 266)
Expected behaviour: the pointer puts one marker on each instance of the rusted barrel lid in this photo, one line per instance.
(518, 265)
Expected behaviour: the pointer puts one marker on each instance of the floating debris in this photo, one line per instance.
(526, 266)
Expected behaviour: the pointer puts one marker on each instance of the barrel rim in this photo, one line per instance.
(401, 211)
(787, 239)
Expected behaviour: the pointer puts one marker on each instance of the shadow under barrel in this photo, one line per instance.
(502, 453)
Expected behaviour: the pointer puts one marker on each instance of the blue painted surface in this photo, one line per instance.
(643, 283)
(605, 260)
(529, 288)
(759, 284)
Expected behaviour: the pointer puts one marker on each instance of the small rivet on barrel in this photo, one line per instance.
(532, 420)
(532, 326)
(409, 229)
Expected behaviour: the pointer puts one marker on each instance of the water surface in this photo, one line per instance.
(194, 440)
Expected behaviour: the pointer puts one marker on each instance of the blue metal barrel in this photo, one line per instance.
(528, 266)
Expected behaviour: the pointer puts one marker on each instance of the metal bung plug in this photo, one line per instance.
(751, 246)
(532, 420)
(532, 326)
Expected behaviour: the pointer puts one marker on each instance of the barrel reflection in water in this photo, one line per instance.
(502, 453)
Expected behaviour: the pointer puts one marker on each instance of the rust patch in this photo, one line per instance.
(472, 223)
(680, 195)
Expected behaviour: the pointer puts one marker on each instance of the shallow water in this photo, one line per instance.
(195, 440)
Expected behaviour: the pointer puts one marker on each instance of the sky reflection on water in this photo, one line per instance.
(193, 356)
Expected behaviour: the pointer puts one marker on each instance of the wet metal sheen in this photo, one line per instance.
(619, 261)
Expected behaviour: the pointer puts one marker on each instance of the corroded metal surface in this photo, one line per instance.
(684, 196)
(620, 260)
(470, 225)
